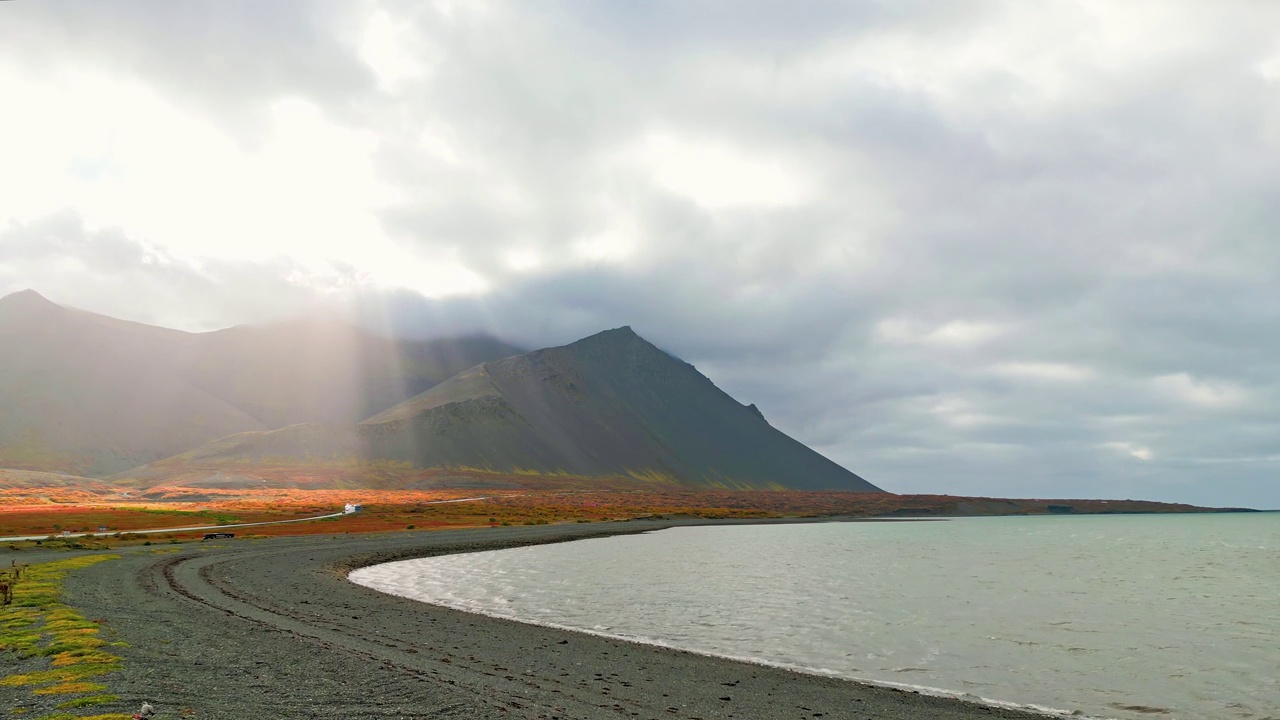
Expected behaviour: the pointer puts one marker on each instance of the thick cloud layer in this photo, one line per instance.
(977, 248)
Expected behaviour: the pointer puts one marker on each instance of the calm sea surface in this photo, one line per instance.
(1124, 616)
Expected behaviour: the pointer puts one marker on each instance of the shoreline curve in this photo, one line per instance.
(272, 628)
(939, 692)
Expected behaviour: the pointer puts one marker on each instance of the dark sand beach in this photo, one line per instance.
(240, 629)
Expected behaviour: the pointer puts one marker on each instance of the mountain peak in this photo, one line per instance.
(617, 337)
(27, 297)
(611, 404)
(620, 344)
(26, 301)
(619, 333)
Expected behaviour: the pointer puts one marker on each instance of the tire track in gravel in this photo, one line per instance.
(215, 596)
(197, 579)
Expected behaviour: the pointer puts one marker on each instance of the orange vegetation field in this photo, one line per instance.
(111, 519)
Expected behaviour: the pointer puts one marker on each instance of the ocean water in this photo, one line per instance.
(1140, 616)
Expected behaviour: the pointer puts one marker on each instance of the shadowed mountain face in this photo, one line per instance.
(91, 395)
(611, 404)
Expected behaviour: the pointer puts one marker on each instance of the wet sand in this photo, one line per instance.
(244, 628)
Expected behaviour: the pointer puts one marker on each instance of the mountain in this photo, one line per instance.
(87, 394)
(322, 369)
(610, 404)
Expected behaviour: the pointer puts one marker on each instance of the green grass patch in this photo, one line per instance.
(70, 688)
(59, 675)
(89, 701)
(75, 642)
(38, 625)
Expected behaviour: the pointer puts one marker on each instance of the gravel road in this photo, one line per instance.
(246, 629)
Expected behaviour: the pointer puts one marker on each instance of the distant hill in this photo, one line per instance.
(32, 480)
(87, 394)
(609, 405)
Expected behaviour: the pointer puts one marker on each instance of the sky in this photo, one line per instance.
(982, 247)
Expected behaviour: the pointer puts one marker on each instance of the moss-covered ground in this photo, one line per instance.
(69, 656)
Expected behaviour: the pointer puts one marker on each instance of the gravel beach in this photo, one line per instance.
(243, 629)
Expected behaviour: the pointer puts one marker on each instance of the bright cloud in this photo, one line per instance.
(716, 174)
(1141, 452)
(1063, 372)
(1207, 393)
(911, 237)
(956, 333)
(960, 412)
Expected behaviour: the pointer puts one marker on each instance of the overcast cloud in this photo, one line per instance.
(999, 248)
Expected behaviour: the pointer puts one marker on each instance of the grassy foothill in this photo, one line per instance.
(38, 626)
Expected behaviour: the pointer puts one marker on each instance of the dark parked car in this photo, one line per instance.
(218, 536)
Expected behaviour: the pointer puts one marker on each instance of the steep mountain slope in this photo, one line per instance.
(86, 394)
(611, 404)
(91, 395)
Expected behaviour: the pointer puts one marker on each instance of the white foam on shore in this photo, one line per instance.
(369, 577)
